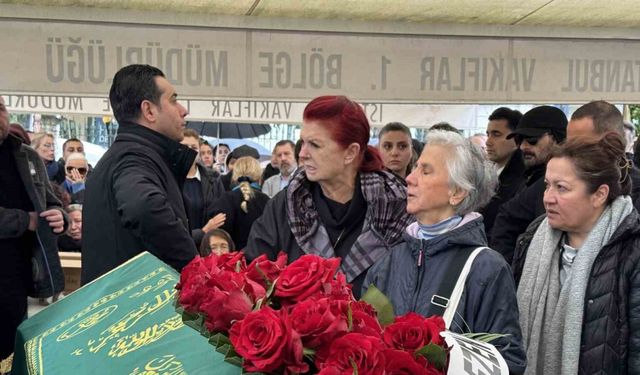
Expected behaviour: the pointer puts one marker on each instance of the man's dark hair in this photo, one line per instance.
(394, 127)
(284, 142)
(64, 145)
(511, 115)
(131, 86)
(606, 117)
(444, 126)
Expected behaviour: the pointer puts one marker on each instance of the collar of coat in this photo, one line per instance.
(177, 156)
(385, 221)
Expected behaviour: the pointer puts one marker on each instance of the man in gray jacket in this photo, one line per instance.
(31, 217)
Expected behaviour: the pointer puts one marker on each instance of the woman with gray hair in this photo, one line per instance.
(442, 266)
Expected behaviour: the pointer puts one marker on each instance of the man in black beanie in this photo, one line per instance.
(538, 131)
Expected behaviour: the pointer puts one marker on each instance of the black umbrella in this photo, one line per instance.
(228, 129)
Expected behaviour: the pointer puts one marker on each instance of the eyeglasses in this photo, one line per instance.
(80, 170)
(532, 140)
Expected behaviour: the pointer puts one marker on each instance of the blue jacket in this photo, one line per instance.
(488, 303)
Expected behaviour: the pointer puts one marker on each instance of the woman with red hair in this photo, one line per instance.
(341, 202)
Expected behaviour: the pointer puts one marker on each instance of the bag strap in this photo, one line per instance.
(445, 302)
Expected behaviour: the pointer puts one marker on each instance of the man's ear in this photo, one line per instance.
(148, 111)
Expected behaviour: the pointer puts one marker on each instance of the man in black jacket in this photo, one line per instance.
(596, 118)
(538, 131)
(31, 217)
(133, 199)
(505, 153)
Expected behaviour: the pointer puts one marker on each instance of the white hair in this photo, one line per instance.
(77, 156)
(468, 169)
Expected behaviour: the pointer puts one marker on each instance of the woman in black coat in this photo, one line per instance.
(244, 203)
(579, 275)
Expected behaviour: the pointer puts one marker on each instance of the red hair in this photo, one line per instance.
(347, 123)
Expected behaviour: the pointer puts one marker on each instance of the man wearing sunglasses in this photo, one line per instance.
(75, 172)
(538, 131)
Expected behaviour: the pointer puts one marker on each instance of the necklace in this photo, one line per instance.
(338, 240)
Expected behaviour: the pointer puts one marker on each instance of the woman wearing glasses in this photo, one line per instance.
(76, 169)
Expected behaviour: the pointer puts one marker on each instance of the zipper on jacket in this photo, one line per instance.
(418, 286)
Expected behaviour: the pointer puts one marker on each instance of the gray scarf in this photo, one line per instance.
(551, 315)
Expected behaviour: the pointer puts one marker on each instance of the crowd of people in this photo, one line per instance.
(529, 231)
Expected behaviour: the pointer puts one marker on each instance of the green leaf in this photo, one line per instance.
(484, 337)
(349, 318)
(354, 365)
(219, 339)
(435, 354)
(272, 287)
(380, 303)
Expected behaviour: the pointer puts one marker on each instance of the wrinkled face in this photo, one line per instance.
(4, 120)
(536, 151)
(581, 127)
(71, 147)
(285, 158)
(192, 143)
(395, 149)
(429, 196)
(46, 149)
(324, 160)
(75, 229)
(169, 114)
(570, 207)
(206, 155)
(221, 154)
(80, 166)
(499, 148)
(218, 245)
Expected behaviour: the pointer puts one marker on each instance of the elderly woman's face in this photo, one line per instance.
(218, 245)
(324, 160)
(429, 197)
(569, 205)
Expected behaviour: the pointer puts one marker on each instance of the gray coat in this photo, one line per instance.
(488, 303)
(47, 277)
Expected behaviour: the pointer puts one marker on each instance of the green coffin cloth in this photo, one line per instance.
(121, 323)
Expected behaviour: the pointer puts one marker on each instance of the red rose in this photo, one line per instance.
(435, 325)
(316, 323)
(355, 349)
(399, 362)
(233, 261)
(222, 308)
(191, 286)
(267, 342)
(260, 268)
(338, 288)
(304, 278)
(363, 318)
(412, 331)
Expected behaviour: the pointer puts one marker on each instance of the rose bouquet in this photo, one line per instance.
(301, 318)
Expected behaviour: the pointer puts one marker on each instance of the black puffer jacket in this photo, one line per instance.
(133, 203)
(610, 341)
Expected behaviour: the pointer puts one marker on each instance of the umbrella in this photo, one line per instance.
(228, 129)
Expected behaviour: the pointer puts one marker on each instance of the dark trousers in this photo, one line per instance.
(13, 310)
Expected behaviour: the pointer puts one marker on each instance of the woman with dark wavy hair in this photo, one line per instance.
(340, 202)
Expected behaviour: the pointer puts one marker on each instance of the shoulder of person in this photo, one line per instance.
(488, 265)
